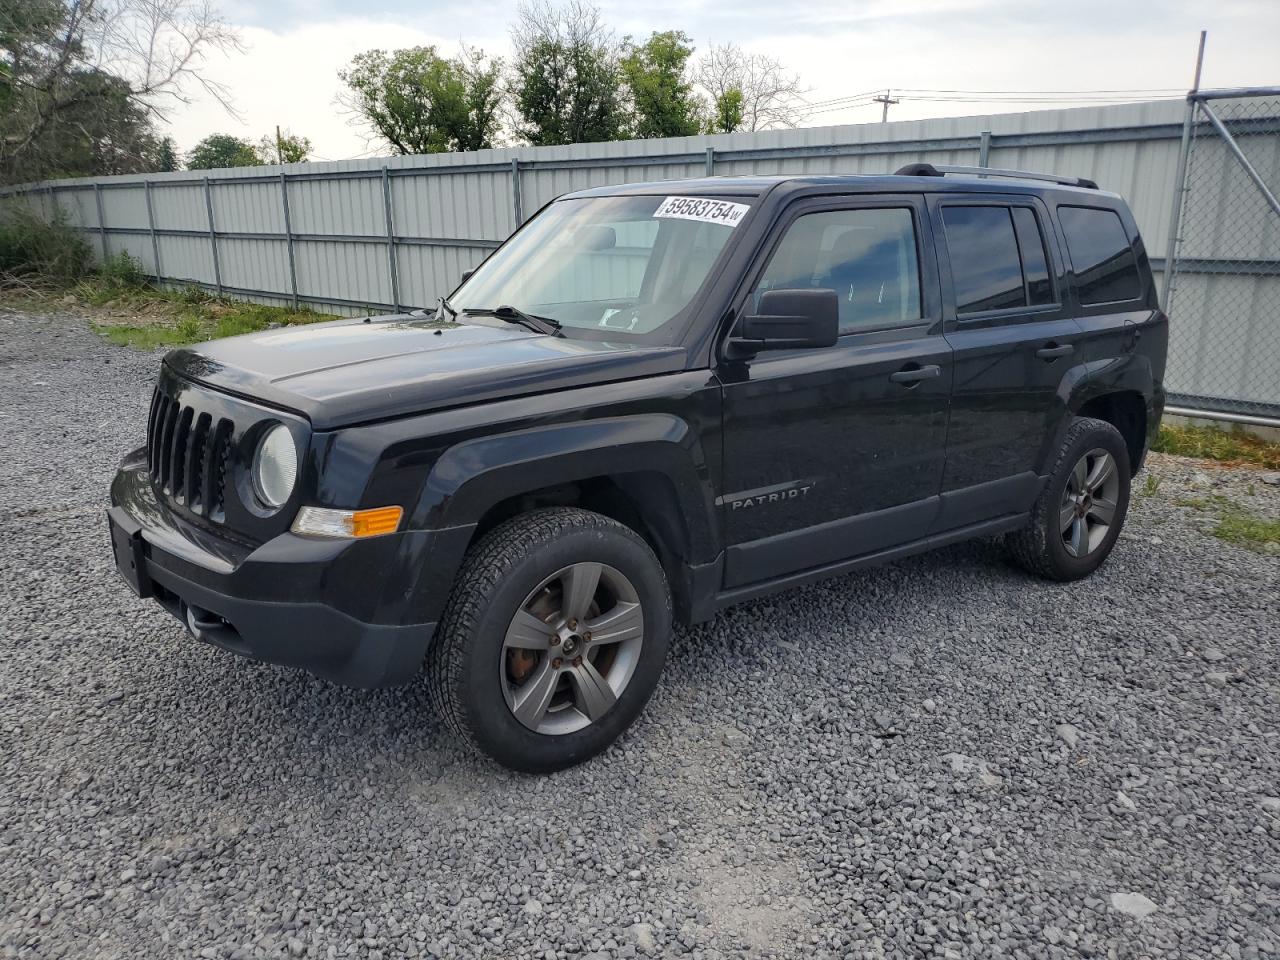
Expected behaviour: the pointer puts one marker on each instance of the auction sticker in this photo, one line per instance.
(698, 208)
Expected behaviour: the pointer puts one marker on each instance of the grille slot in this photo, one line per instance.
(188, 453)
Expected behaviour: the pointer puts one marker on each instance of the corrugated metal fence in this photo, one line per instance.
(392, 233)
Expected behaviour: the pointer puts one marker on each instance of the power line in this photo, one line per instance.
(996, 96)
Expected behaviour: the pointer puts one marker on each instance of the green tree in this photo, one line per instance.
(420, 102)
(568, 80)
(662, 97)
(83, 81)
(222, 150)
(284, 147)
(725, 115)
(166, 156)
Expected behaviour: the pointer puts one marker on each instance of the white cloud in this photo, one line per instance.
(290, 77)
(288, 74)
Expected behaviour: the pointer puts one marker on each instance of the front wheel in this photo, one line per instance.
(1077, 518)
(553, 639)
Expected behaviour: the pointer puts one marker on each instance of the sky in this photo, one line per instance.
(293, 50)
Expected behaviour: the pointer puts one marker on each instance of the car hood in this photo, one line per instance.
(352, 371)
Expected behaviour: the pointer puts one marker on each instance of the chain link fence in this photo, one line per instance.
(1224, 302)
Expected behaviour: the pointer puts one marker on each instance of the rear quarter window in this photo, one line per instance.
(1105, 265)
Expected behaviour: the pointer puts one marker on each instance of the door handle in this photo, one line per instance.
(1052, 351)
(913, 375)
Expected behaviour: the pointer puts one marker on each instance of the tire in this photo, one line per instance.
(1053, 544)
(515, 675)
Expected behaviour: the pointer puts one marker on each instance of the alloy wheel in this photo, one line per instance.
(1089, 503)
(571, 648)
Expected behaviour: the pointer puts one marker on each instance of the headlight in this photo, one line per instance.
(275, 467)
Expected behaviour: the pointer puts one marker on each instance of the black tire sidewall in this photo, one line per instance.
(495, 729)
(1102, 437)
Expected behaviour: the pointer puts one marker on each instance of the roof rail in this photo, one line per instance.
(929, 170)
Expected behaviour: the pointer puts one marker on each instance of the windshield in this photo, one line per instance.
(608, 267)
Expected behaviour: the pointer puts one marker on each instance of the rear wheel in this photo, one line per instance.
(1078, 516)
(553, 640)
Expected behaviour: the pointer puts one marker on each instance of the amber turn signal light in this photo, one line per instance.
(325, 522)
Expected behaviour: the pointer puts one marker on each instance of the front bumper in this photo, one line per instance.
(357, 612)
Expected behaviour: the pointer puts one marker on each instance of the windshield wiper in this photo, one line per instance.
(511, 315)
(446, 305)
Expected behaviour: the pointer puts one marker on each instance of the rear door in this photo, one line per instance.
(1012, 330)
(837, 452)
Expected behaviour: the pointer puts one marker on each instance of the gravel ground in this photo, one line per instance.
(941, 758)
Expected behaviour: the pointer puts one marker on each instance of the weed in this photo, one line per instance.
(1241, 527)
(45, 252)
(1212, 443)
(1237, 525)
(1151, 485)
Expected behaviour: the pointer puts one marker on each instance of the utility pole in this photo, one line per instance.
(886, 100)
(279, 146)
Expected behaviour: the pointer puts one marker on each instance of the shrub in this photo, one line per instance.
(122, 272)
(31, 247)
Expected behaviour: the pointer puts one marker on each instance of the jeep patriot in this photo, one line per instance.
(651, 402)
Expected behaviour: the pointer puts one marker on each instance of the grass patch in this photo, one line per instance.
(125, 308)
(1237, 525)
(178, 322)
(1233, 446)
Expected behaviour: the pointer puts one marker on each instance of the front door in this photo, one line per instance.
(1014, 339)
(838, 452)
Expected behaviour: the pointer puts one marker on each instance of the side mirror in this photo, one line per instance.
(789, 320)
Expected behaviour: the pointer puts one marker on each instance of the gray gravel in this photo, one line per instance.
(942, 758)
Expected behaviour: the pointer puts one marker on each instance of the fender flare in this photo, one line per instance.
(1130, 373)
(473, 476)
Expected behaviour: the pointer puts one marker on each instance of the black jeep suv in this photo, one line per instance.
(652, 401)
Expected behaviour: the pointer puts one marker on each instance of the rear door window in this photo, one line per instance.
(985, 266)
(998, 258)
(1035, 264)
(1105, 265)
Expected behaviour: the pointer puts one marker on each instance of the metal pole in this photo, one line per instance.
(984, 149)
(711, 161)
(515, 190)
(391, 239)
(1236, 152)
(151, 226)
(213, 237)
(1179, 180)
(1258, 421)
(288, 237)
(102, 220)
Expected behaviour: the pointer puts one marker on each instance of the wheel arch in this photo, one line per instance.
(648, 472)
(1120, 391)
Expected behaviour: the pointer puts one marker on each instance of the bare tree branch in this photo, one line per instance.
(772, 95)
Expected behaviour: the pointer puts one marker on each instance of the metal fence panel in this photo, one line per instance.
(357, 238)
(1224, 351)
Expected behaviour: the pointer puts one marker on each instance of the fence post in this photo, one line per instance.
(711, 162)
(288, 236)
(516, 199)
(151, 228)
(102, 220)
(391, 239)
(213, 237)
(984, 149)
(1179, 180)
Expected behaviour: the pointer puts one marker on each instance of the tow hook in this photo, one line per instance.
(202, 624)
